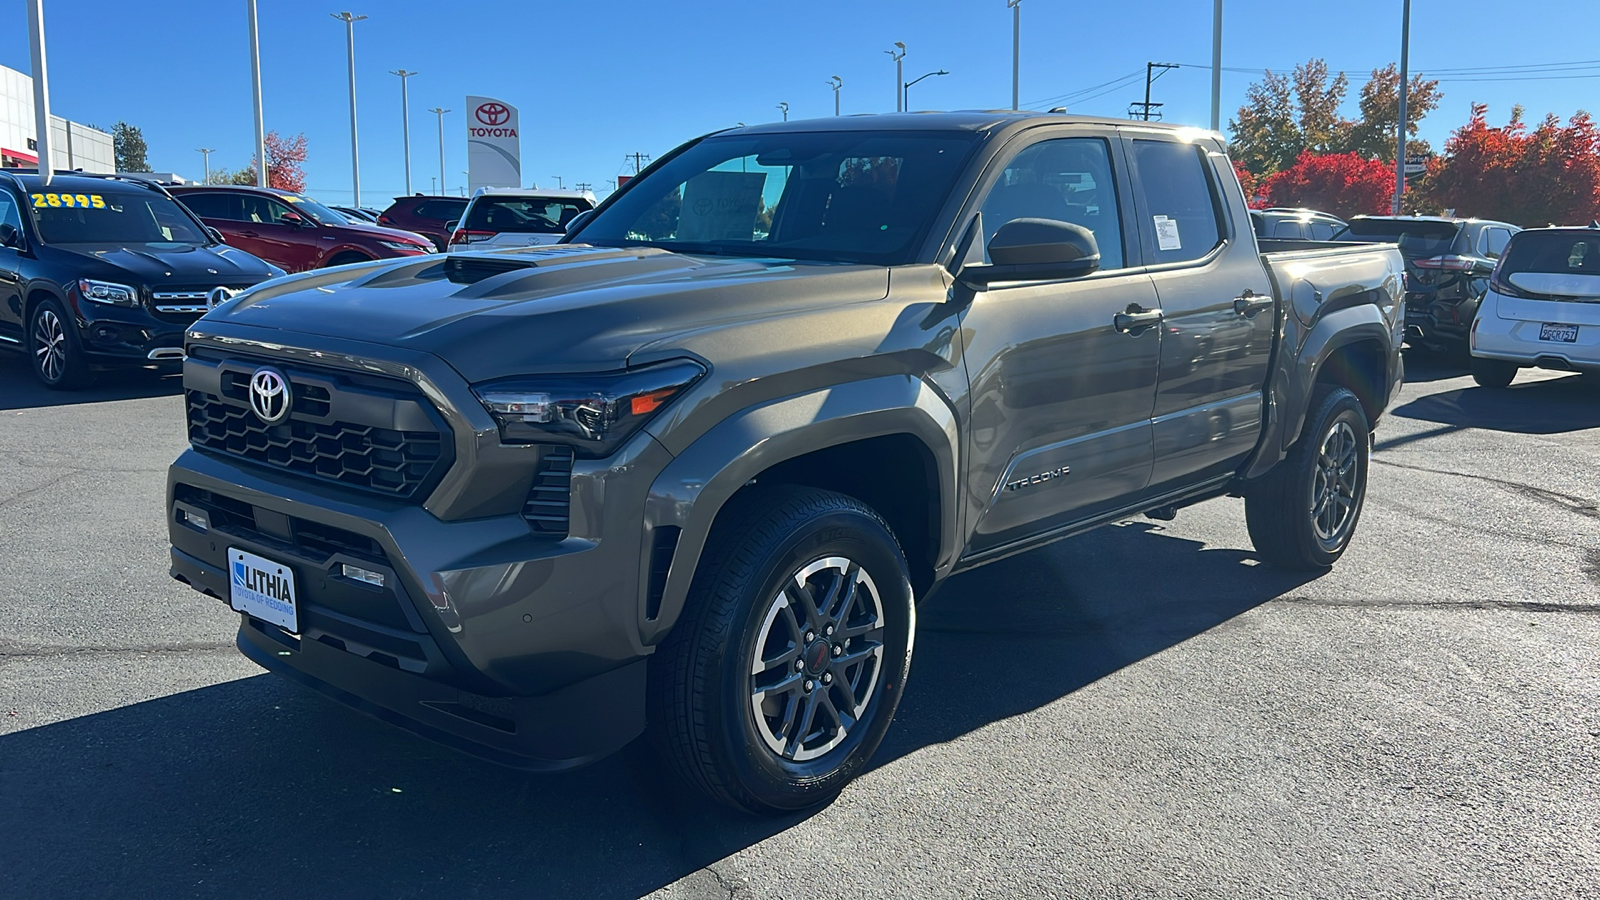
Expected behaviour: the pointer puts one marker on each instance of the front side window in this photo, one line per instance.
(1177, 202)
(849, 196)
(9, 214)
(116, 217)
(1068, 180)
(523, 215)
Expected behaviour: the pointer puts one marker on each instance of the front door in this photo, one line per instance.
(1061, 398)
(11, 326)
(1219, 313)
(266, 232)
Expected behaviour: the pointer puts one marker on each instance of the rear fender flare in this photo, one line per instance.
(692, 489)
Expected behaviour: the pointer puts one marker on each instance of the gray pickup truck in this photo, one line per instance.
(690, 471)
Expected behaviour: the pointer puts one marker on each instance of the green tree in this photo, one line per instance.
(1373, 135)
(1284, 115)
(128, 143)
(1318, 100)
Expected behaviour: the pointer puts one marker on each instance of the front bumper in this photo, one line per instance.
(117, 335)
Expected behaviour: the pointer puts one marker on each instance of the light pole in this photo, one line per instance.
(255, 90)
(205, 156)
(1016, 49)
(1216, 66)
(350, 21)
(836, 83)
(405, 122)
(784, 105)
(41, 91)
(1404, 89)
(914, 81)
(899, 55)
(440, 113)
(561, 183)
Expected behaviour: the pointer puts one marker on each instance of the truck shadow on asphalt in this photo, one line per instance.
(1544, 406)
(255, 788)
(19, 389)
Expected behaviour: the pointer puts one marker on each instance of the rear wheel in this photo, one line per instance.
(780, 679)
(1303, 513)
(1493, 373)
(345, 259)
(58, 358)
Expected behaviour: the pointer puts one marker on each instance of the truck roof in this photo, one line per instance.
(958, 120)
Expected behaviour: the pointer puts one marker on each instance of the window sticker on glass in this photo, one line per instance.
(1167, 233)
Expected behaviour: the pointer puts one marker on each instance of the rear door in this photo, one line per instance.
(1216, 299)
(1061, 398)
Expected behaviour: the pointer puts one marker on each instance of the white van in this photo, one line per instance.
(514, 217)
(1542, 308)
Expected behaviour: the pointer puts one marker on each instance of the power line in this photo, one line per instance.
(1072, 95)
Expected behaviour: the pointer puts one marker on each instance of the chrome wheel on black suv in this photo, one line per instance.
(780, 679)
(1304, 512)
(53, 346)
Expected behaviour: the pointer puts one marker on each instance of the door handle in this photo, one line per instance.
(1135, 320)
(1249, 304)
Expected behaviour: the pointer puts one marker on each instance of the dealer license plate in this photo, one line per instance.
(262, 588)
(1566, 334)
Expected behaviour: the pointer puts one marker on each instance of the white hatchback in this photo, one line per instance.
(513, 217)
(1542, 308)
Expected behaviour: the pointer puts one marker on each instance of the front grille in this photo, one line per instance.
(370, 434)
(192, 300)
(549, 505)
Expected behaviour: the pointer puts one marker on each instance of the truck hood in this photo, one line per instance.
(543, 309)
(160, 265)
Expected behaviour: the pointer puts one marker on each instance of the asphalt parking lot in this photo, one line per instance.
(1143, 710)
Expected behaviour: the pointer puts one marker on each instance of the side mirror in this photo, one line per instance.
(1037, 250)
(215, 235)
(9, 237)
(579, 220)
(294, 220)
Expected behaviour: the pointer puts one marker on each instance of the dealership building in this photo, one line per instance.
(73, 146)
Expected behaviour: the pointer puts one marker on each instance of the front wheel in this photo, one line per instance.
(782, 675)
(1303, 513)
(58, 359)
(1493, 373)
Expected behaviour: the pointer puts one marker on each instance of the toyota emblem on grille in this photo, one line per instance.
(218, 296)
(269, 395)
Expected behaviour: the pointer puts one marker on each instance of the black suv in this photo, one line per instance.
(1448, 263)
(1279, 223)
(101, 271)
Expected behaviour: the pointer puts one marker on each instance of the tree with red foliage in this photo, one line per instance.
(285, 158)
(1550, 175)
(1247, 183)
(1345, 184)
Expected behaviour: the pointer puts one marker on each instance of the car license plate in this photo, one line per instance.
(1551, 331)
(262, 588)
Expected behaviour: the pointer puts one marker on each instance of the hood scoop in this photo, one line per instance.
(512, 276)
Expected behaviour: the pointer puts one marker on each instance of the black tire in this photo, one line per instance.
(703, 696)
(1287, 526)
(53, 346)
(346, 258)
(1493, 373)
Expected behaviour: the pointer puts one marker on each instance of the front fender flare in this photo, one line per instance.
(692, 489)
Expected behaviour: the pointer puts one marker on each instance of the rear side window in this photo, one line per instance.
(443, 210)
(523, 215)
(1287, 228)
(1322, 230)
(1177, 202)
(1493, 241)
(212, 206)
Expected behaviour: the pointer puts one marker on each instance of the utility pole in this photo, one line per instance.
(899, 56)
(1016, 50)
(836, 83)
(1400, 138)
(440, 113)
(41, 91)
(205, 156)
(255, 90)
(1216, 66)
(1148, 110)
(638, 158)
(350, 21)
(433, 184)
(784, 105)
(583, 186)
(405, 122)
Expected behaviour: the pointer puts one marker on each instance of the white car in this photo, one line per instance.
(1542, 308)
(513, 217)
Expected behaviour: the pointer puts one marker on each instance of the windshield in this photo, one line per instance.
(116, 216)
(1417, 240)
(523, 215)
(319, 213)
(858, 197)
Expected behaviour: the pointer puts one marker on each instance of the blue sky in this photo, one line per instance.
(599, 79)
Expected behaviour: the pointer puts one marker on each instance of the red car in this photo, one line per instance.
(292, 231)
(427, 216)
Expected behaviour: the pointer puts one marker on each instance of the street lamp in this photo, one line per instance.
(205, 156)
(899, 55)
(440, 113)
(1404, 89)
(836, 83)
(1016, 49)
(561, 183)
(1216, 66)
(405, 122)
(255, 92)
(41, 91)
(350, 21)
(784, 105)
(907, 105)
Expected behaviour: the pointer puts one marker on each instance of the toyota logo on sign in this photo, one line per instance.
(493, 114)
(269, 395)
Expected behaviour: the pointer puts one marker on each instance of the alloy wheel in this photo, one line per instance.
(1334, 485)
(50, 344)
(818, 659)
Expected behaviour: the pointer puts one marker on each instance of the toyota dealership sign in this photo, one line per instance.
(494, 151)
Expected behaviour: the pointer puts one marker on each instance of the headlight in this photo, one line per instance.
(403, 245)
(107, 292)
(593, 414)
